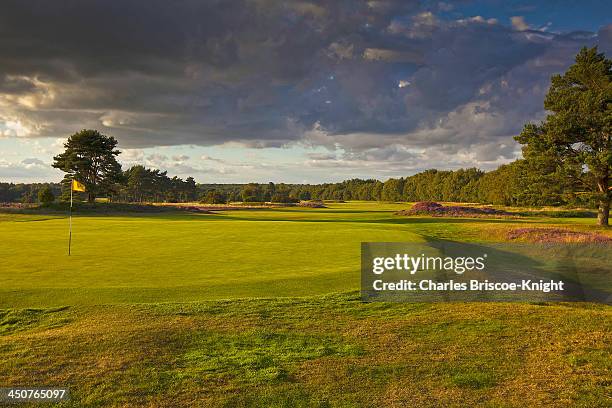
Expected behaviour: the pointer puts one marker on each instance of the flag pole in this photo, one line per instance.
(70, 222)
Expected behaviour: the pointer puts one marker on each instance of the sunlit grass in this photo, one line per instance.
(229, 254)
(322, 351)
(258, 308)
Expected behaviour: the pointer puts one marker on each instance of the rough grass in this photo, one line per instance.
(326, 351)
(99, 208)
(12, 320)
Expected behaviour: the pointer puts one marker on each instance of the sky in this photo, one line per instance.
(308, 91)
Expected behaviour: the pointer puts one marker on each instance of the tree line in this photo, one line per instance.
(567, 160)
(507, 185)
(26, 192)
(510, 184)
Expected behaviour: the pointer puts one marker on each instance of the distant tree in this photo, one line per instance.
(45, 195)
(28, 196)
(233, 196)
(251, 192)
(283, 197)
(392, 189)
(268, 191)
(454, 184)
(214, 197)
(466, 184)
(90, 158)
(304, 195)
(143, 184)
(377, 190)
(138, 183)
(502, 186)
(190, 189)
(575, 139)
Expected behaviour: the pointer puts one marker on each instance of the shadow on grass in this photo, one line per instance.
(274, 215)
(399, 221)
(577, 265)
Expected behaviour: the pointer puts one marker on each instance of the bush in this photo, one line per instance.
(46, 196)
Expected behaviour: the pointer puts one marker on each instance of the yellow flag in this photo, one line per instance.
(76, 186)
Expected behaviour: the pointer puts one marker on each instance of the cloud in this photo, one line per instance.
(186, 170)
(368, 78)
(518, 22)
(33, 162)
(605, 38)
(477, 20)
(132, 155)
(386, 55)
(206, 157)
(28, 170)
(321, 156)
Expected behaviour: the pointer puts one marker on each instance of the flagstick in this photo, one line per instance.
(70, 217)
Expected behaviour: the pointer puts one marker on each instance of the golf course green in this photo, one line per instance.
(261, 308)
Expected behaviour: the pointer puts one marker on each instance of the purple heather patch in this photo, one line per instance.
(556, 235)
(438, 210)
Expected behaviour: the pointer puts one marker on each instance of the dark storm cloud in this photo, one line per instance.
(360, 75)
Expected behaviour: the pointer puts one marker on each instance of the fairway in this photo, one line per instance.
(174, 257)
(185, 257)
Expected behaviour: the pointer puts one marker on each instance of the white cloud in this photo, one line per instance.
(518, 22)
(402, 83)
(11, 127)
(28, 170)
(478, 20)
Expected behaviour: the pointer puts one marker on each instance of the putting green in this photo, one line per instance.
(185, 257)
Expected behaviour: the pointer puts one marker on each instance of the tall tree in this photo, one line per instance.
(576, 136)
(90, 158)
(191, 189)
(251, 192)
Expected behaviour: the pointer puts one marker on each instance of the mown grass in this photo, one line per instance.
(231, 254)
(258, 308)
